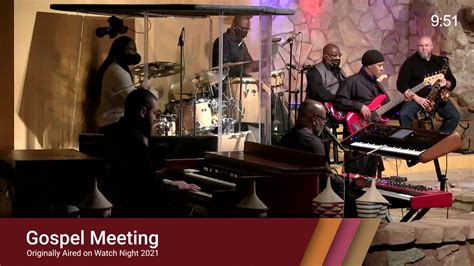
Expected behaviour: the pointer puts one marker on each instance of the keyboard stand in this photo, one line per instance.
(441, 178)
(419, 214)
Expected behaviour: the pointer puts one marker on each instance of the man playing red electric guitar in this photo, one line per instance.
(354, 95)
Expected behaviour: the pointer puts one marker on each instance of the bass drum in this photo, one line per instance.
(200, 110)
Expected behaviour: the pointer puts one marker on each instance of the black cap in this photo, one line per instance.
(372, 57)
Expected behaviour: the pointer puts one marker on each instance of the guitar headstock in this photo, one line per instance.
(433, 79)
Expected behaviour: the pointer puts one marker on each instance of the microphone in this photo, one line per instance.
(292, 37)
(334, 138)
(181, 38)
(242, 41)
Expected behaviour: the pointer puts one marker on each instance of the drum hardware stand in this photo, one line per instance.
(181, 59)
(241, 114)
(194, 98)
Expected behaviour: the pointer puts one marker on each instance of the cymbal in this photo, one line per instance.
(231, 64)
(198, 81)
(157, 69)
(211, 77)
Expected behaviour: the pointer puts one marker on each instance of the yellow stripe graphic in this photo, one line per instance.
(361, 242)
(321, 241)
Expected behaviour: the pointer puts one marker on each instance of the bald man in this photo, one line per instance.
(323, 80)
(304, 136)
(413, 71)
(235, 49)
(325, 77)
(309, 125)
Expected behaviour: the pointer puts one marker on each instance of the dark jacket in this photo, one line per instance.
(132, 185)
(302, 138)
(415, 69)
(357, 90)
(232, 52)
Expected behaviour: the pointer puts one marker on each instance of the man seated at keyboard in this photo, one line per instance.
(304, 136)
(132, 185)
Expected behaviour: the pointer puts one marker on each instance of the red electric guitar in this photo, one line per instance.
(338, 115)
(356, 121)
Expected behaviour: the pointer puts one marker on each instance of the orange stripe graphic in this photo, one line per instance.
(321, 241)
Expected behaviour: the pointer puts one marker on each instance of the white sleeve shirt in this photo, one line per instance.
(116, 85)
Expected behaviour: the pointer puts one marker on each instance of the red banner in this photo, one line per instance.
(154, 241)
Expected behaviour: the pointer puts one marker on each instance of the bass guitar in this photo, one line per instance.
(338, 115)
(356, 121)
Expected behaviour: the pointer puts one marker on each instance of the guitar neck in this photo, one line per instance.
(400, 98)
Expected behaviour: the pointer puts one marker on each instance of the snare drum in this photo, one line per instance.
(250, 98)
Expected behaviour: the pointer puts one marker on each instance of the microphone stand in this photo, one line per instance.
(334, 139)
(289, 85)
(301, 72)
(181, 45)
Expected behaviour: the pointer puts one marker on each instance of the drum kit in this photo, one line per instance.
(200, 105)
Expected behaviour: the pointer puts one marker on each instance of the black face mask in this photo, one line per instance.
(334, 64)
(240, 33)
(132, 59)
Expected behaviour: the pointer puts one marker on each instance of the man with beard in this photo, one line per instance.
(354, 94)
(421, 64)
(115, 80)
(235, 49)
(304, 136)
(132, 185)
